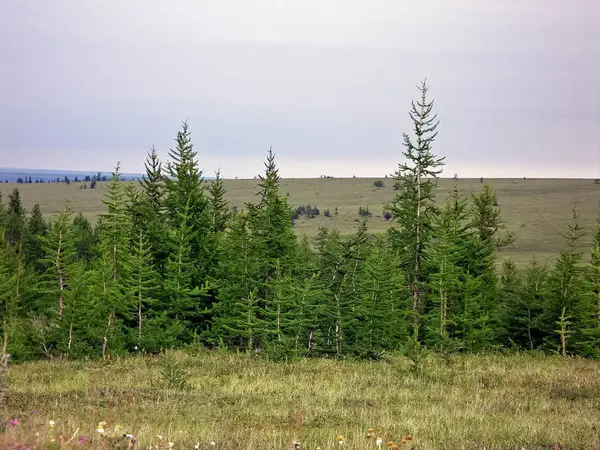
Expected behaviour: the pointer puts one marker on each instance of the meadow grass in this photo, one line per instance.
(238, 401)
(539, 210)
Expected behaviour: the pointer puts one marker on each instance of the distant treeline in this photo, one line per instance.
(170, 264)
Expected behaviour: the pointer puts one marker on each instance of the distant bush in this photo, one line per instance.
(305, 210)
(378, 184)
(327, 213)
(364, 212)
(481, 180)
(336, 211)
(597, 181)
(396, 186)
(93, 184)
(387, 215)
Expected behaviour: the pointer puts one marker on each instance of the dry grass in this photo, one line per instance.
(493, 402)
(538, 209)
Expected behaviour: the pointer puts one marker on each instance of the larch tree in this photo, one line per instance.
(413, 207)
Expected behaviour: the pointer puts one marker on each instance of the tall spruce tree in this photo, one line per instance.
(567, 292)
(274, 243)
(32, 245)
(15, 220)
(185, 200)
(112, 272)
(413, 207)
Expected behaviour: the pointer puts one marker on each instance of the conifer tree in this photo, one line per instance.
(236, 278)
(593, 287)
(444, 255)
(522, 298)
(15, 221)
(413, 206)
(567, 289)
(185, 199)
(380, 321)
(220, 214)
(341, 260)
(111, 277)
(85, 239)
(150, 209)
(152, 182)
(32, 245)
(144, 284)
(274, 243)
(59, 255)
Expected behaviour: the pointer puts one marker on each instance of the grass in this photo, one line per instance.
(239, 402)
(538, 209)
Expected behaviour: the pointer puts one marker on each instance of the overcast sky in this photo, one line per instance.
(326, 83)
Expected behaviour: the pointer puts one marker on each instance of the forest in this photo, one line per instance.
(170, 264)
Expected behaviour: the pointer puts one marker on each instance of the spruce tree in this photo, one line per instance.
(144, 282)
(32, 245)
(274, 243)
(185, 199)
(112, 271)
(593, 284)
(444, 254)
(567, 291)
(379, 313)
(59, 255)
(152, 182)
(15, 222)
(413, 207)
(236, 315)
(218, 207)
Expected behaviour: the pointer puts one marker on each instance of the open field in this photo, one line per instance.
(538, 209)
(239, 402)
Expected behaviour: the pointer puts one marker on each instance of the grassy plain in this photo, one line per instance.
(240, 402)
(538, 209)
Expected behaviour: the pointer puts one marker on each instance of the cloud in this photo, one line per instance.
(328, 84)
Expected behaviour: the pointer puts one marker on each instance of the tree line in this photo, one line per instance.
(169, 263)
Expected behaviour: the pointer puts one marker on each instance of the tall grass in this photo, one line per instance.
(240, 402)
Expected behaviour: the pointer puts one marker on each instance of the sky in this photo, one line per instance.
(326, 83)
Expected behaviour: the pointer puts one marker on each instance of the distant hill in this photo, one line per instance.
(11, 175)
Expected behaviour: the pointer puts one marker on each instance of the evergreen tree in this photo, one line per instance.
(111, 274)
(593, 283)
(152, 182)
(59, 255)
(567, 290)
(413, 207)
(380, 320)
(186, 200)
(220, 214)
(85, 239)
(32, 245)
(15, 221)
(144, 284)
(236, 316)
(444, 254)
(274, 243)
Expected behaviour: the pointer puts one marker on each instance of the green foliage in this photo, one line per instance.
(170, 264)
(413, 207)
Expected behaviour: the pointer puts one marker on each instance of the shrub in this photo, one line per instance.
(305, 210)
(364, 212)
(397, 186)
(336, 211)
(378, 184)
(327, 213)
(387, 215)
(597, 181)
(93, 184)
